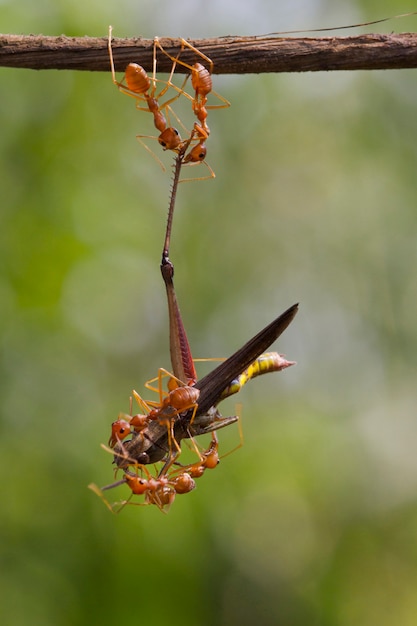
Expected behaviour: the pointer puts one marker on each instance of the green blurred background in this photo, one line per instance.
(314, 519)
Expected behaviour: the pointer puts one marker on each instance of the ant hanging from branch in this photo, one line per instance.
(137, 84)
(201, 81)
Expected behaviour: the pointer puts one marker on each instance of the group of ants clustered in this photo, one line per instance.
(146, 447)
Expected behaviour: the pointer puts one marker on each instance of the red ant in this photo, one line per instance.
(126, 425)
(209, 459)
(159, 490)
(202, 84)
(137, 84)
(179, 398)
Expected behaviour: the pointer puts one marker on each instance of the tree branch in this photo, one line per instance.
(231, 55)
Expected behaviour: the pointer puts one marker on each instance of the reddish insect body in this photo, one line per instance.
(202, 84)
(123, 427)
(137, 84)
(209, 460)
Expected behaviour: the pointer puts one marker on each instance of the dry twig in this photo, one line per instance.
(231, 55)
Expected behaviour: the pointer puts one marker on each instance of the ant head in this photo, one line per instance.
(197, 154)
(170, 139)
